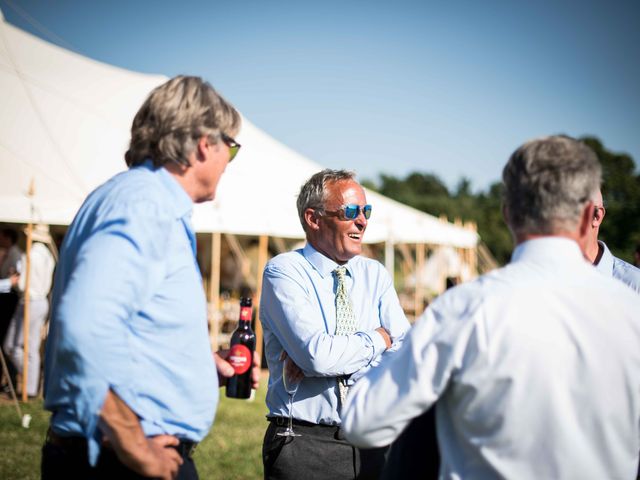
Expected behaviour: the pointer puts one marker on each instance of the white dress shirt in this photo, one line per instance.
(41, 271)
(537, 368)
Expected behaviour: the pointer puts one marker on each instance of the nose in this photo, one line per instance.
(361, 221)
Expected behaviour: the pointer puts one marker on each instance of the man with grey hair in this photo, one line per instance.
(599, 254)
(335, 315)
(130, 378)
(536, 365)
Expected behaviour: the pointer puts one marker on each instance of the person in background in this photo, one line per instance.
(336, 315)
(9, 266)
(536, 365)
(130, 378)
(42, 263)
(598, 253)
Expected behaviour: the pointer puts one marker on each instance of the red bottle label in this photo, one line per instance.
(240, 358)
(245, 314)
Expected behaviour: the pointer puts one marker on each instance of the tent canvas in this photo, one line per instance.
(64, 125)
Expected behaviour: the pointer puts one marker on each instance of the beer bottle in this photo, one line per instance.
(242, 346)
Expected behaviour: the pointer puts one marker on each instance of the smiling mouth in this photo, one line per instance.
(355, 236)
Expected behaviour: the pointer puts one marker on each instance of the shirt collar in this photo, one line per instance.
(324, 265)
(183, 205)
(605, 265)
(548, 250)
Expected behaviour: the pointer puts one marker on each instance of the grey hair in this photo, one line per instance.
(313, 193)
(174, 117)
(547, 182)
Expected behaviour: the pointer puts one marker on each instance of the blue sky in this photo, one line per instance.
(449, 88)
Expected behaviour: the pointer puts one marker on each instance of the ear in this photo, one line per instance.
(204, 144)
(586, 219)
(598, 216)
(312, 219)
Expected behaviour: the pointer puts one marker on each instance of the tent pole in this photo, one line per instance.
(25, 316)
(263, 253)
(214, 289)
(419, 268)
(389, 259)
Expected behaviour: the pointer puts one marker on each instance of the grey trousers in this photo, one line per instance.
(14, 341)
(320, 453)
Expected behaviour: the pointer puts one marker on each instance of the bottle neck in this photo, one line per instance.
(245, 317)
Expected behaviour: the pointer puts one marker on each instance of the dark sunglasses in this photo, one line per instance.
(234, 147)
(352, 211)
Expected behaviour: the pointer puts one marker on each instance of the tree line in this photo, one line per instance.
(428, 193)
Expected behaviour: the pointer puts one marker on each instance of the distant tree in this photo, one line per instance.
(491, 225)
(426, 192)
(621, 191)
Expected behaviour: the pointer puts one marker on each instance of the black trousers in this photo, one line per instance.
(415, 452)
(321, 452)
(71, 461)
(8, 304)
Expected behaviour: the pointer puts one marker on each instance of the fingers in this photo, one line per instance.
(293, 370)
(385, 335)
(224, 368)
(255, 371)
(165, 440)
(171, 460)
(166, 459)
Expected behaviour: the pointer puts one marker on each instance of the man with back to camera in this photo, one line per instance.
(335, 314)
(598, 253)
(536, 365)
(130, 378)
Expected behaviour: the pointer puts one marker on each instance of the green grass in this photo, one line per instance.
(233, 449)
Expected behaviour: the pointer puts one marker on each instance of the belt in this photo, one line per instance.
(185, 448)
(284, 422)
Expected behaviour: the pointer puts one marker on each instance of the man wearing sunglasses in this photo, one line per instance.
(130, 378)
(336, 315)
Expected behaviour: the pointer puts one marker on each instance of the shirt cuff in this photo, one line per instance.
(379, 345)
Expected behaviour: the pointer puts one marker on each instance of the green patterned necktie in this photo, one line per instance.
(345, 320)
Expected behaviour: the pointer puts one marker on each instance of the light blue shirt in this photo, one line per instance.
(623, 271)
(535, 367)
(129, 313)
(298, 315)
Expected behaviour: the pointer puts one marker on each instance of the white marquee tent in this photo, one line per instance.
(64, 126)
